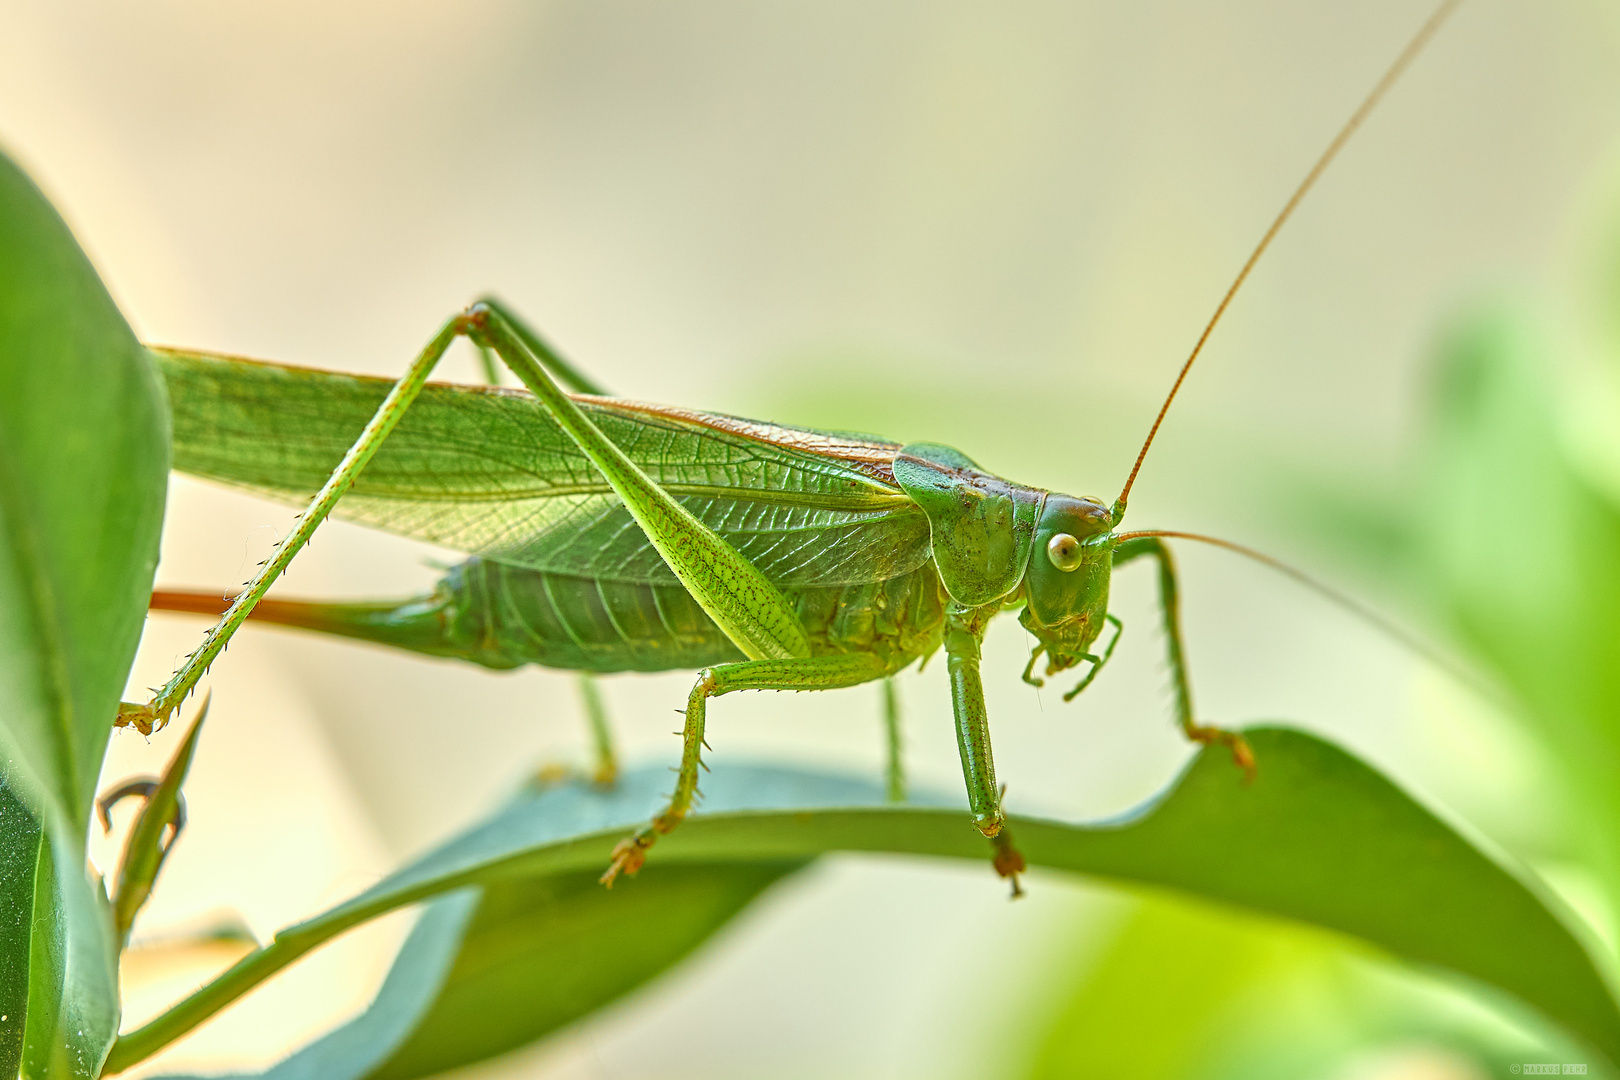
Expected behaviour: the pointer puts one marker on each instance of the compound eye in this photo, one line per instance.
(1064, 551)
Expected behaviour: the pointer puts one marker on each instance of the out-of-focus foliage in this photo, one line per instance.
(1183, 990)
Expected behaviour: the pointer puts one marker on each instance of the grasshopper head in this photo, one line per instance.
(1066, 586)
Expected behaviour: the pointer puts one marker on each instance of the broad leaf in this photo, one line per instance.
(564, 947)
(417, 977)
(1319, 837)
(73, 970)
(20, 840)
(83, 466)
(58, 1005)
(488, 970)
(84, 438)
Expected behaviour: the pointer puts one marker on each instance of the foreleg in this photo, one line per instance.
(606, 764)
(1170, 604)
(895, 774)
(964, 629)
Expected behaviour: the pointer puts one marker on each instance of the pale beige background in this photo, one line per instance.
(998, 227)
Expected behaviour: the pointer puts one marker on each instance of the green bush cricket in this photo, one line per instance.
(610, 535)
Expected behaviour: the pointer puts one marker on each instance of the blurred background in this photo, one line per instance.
(995, 228)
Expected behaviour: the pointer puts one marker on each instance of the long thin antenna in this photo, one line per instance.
(1355, 607)
(1402, 62)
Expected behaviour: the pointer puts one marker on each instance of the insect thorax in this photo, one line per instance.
(995, 541)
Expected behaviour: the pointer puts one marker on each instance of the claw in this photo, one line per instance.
(628, 856)
(1008, 861)
(631, 852)
(1029, 675)
(1242, 754)
(143, 718)
(547, 776)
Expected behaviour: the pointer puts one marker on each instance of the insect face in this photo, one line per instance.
(1066, 585)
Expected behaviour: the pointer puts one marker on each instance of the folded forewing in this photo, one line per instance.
(486, 471)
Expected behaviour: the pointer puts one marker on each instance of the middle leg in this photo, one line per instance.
(605, 769)
(964, 629)
(810, 673)
(895, 773)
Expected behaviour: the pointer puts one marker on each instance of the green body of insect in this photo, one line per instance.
(878, 553)
(617, 536)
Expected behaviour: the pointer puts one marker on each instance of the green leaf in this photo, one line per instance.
(1520, 551)
(73, 970)
(20, 839)
(84, 447)
(52, 937)
(1145, 1008)
(1319, 837)
(145, 850)
(84, 438)
(488, 970)
(418, 975)
(1190, 991)
(564, 947)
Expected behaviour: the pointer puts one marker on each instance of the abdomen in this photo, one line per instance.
(504, 616)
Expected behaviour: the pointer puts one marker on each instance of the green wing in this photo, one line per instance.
(486, 471)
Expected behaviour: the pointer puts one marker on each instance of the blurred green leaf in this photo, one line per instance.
(1146, 1007)
(1520, 554)
(564, 946)
(84, 442)
(1188, 991)
(488, 970)
(1319, 837)
(1508, 540)
(415, 980)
